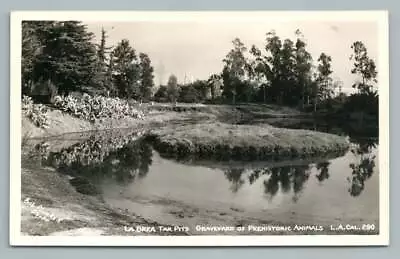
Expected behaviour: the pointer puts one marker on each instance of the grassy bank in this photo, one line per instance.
(72, 116)
(60, 122)
(222, 141)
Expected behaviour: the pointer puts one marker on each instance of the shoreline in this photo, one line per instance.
(77, 207)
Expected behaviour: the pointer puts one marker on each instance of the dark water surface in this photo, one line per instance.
(130, 175)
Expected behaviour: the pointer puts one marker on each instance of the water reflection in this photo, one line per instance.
(364, 166)
(121, 158)
(323, 169)
(285, 178)
(293, 178)
(127, 157)
(364, 138)
(234, 176)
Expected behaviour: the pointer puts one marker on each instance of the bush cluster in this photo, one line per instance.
(37, 113)
(97, 107)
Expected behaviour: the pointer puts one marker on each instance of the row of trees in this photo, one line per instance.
(283, 72)
(62, 57)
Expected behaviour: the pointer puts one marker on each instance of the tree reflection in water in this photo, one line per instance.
(363, 169)
(301, 175)
(364, 136)
(323, 169)
(234, 176)
(286, 178)
(292, 178)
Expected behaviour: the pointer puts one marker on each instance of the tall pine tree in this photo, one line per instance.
(68, 57)
(126, 70)
(103, 79)
(33, 40)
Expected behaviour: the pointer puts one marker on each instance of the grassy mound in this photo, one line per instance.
(243, 142)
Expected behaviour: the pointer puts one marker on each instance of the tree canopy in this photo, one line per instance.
(63, 57)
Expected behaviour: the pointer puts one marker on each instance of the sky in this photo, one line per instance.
(195, 50)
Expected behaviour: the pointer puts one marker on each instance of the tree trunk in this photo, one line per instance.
(265, 94)
(315, 102)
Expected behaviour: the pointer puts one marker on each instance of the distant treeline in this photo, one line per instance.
(60, 57)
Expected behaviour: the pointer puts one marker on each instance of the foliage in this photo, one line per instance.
(215, 83)
(258, 71)
(67, 56)
(30, 47)
(280, 74)
(200, 91)
(290, 69)
(146, 77)
(303, 66)
(366, 102)
(162, 94)
(64, 53)
(102, 48)
(363, 66)
(189, 94)
(203, 89)
(97, 107)
(323, 84)
(234, 70)
(60, 57)
(103, 79)
(126, 70)
(172, 88)
(37, 113)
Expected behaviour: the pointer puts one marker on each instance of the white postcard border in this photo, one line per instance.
(16, 239)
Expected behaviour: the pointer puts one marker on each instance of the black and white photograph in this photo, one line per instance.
(251, 128)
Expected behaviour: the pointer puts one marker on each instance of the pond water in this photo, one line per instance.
(130, 175)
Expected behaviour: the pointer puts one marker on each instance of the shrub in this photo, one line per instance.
(162, 94)
(37, 113)
(189, 94)
(97, 107)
